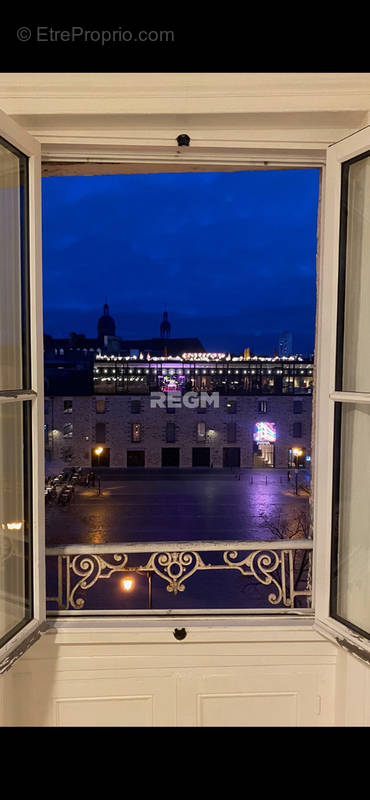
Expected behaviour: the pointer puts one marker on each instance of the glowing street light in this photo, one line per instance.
(297, 452)
(98, 451)
(127, 583)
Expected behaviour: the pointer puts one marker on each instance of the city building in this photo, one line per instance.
(200, 410)
(107, 342)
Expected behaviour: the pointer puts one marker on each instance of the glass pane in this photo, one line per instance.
(13, 317)
(354, 301)
(15, 522)
(351, 570)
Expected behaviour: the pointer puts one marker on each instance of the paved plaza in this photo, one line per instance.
(165, 506)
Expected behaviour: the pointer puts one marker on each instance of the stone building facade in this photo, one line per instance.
(131, 433)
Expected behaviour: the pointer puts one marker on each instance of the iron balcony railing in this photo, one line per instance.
(75, 573)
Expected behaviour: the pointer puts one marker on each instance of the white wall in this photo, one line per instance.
(215, 677)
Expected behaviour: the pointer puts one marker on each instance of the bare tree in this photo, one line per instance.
(296, 527)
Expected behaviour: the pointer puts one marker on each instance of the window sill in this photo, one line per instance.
(205, 630)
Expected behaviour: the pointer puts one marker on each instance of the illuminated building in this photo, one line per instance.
(264, 412)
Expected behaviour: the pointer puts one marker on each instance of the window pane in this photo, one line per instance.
(135, 432)
(100, 432)
(15, 556)
(354, 280)
(14, 370)
(351, 568)
(170, 432)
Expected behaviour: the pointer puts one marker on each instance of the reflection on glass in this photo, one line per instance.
(12, 177)
(356, 353)
(353, 564)
(14, 519)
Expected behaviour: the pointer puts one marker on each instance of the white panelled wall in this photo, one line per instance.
(214, 677)
(262, 672)
(217, 676)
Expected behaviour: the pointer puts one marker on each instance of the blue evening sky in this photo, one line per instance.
(231, 254)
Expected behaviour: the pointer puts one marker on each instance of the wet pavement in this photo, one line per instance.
(176, 507)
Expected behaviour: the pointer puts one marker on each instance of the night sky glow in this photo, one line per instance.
(232, 255)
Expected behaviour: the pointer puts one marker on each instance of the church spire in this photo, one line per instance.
(165, 326)
(106, 325)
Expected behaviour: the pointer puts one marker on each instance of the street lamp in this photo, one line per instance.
(98, 451)
(128, 583)
(297, 452)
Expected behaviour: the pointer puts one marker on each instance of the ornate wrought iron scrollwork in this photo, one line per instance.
(175, 568)
(90, 569)
(269, 567)
(261, 565)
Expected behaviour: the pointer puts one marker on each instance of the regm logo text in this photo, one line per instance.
(189, 399)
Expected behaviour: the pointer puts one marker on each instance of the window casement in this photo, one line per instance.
(262, 406)
(201, 432)
(22, 554)
(297, 407)
(100, 405)
(100, 433)
(340, 544)
(297, 430)
(68, 406)
(135, 406)
(68, 430)
(170, 432)
(341, 495)
(136, 433)
(231, 432)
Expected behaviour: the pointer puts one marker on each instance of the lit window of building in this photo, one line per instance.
(201, 432)
(136, 432)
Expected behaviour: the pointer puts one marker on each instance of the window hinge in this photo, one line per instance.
(22, 648)
(354, 650)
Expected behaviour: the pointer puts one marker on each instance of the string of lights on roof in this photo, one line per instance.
(186, 357)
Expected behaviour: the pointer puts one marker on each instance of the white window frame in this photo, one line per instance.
(326, 396)
(19, 138)
(327, 268)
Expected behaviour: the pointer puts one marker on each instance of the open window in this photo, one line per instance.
(342, 397)
(342, 464)
(22, 596)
